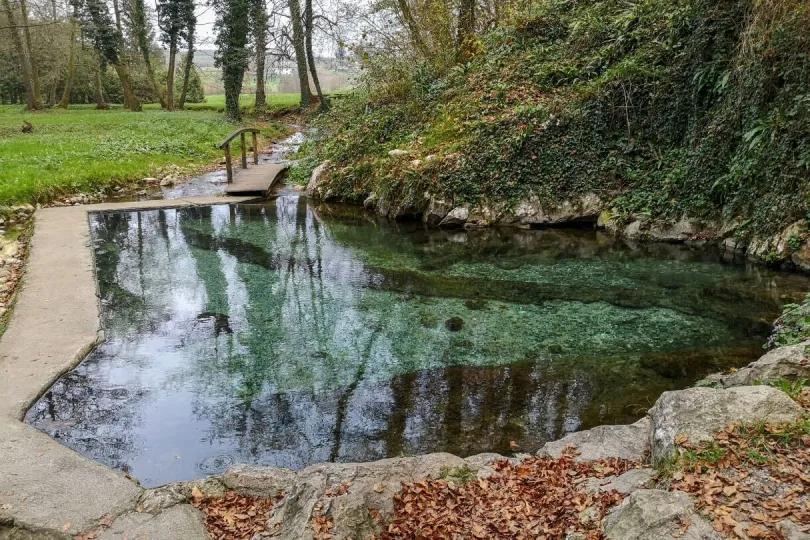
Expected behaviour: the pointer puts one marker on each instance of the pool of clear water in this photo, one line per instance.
(284, 334)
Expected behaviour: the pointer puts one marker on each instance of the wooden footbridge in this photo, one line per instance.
(257, 179)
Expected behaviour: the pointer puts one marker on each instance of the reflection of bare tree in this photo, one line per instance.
(287, 339)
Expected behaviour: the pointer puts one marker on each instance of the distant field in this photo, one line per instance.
(83, 148)
(216, 102)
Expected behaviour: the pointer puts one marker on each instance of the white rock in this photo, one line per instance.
(457, 217)
(625, 442)
(699, 413)
(651, 514)
(398, 153)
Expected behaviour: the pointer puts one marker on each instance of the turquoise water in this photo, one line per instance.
(285, 335)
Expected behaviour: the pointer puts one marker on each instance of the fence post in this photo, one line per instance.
(255, 148)
(228, 166)
(244, 151)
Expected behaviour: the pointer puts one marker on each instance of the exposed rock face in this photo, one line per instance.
(777, 247)
(533, 212)
(258, 481)
(628, 482)
(626, 442)
(437, 210)
(350, 493)
(701, 412)
(651, 514)
(456, 218)
(680, 231)
(182, 522)
(789, 363)
(318, 175)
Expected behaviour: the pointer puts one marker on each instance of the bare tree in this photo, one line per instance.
(259, 21)
(308, 29)
(299, 44)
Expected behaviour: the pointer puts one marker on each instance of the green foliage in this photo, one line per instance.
(233, 54)
(664, 107)
(458, 476)
(791, 388)
(84, 149)
(793, 326)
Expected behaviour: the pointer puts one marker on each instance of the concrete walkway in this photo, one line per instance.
(46, 489)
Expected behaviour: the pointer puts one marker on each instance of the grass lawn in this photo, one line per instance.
(216, 102)
(84, 149)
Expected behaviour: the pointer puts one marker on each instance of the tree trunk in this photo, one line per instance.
(37, 95)
(189, 65)
(117, 12)
(413, 28)
(300, 52)
(65, 101)
(260, 38)
(126, 83)
(170, 77)
(100, 91)
(309, 26)
(141, 33)
(466, 29)
(25, 67)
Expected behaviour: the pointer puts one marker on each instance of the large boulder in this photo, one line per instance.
(257, 481)
(790, 363)
(353, 498)
(625, 442)
(456, 218)
(436, 211)
(651, 514)
(699, 413)
(317, 178)
(680, 231)
(533, 212)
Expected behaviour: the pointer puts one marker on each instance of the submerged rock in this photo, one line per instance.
(699, 413)
(651, 514)
(454, 324)
(791, 363)
(625, 442)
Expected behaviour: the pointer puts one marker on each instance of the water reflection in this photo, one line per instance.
(281, 335)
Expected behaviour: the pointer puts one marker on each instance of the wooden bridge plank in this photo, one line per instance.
(256, 179)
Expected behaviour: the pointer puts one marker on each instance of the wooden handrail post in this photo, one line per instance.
(244, 151)
(228, 165)
(255, 149)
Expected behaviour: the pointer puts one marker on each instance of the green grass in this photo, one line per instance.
(84, 149)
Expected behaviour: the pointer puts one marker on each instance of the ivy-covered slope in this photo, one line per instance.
(662, 107)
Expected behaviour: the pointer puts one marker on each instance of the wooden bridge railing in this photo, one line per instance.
(226, 145)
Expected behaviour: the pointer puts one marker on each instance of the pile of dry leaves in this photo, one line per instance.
(750, 479)
(233, 517)
(538, 498)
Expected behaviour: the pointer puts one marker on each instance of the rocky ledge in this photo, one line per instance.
(356, 500)
(788, 247)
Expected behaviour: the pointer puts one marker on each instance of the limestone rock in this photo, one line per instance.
(733, 245)
(676, 232)
(161, 498)
(699, 413)
(791, 531)
(317, 178)
(777, 247)
(182, 522)
(532, 212)
(437, 210)
(628, 482)
(371, 202)
(348, 493)
(626, 442)
(258, 481)
(457, 217)
(634, 230)
(168, 181)
(651, 514)
(801, 258)
(791, 363)
(398, 153)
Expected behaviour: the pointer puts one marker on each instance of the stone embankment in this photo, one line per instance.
(357, 499)
(788, 247)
